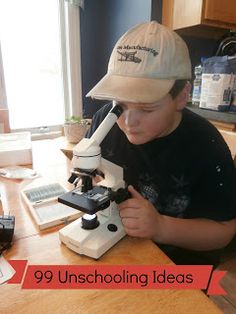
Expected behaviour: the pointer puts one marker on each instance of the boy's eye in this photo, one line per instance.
(137, 107)
(147, 109)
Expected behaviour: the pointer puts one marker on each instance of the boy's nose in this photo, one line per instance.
(131, 118)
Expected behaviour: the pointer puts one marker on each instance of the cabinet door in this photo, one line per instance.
(181, 13)
(220, 11)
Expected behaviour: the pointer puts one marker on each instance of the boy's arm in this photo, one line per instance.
(195, 234)
(141, 219)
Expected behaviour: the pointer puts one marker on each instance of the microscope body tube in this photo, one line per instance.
(107, 124)
(87, 153)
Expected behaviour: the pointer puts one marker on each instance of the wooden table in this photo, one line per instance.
(45, 248)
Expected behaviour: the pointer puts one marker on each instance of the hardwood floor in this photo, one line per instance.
(227, 303)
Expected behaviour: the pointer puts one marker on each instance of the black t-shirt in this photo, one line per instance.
(187, 174)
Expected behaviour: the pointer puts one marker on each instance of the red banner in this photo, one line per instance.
(118, 277)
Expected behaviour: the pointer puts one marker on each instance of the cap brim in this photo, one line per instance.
(130, 89)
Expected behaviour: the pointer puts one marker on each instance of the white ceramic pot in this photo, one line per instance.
(74, 132)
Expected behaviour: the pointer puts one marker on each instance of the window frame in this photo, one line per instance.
(69, 19)
(71, 57)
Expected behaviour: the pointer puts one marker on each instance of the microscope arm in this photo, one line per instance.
(113, 175)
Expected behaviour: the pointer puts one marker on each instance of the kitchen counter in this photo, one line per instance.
(226, 117)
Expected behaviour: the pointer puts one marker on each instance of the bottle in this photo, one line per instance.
(197, 85)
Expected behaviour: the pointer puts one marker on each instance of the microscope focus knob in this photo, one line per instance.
(120, 195)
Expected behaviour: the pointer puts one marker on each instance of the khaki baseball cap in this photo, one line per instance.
(144, 65)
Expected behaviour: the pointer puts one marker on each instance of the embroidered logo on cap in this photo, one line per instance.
(130, 55)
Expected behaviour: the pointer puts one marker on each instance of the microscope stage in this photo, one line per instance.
(88, 202)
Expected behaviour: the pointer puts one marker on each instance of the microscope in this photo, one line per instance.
(100, 227)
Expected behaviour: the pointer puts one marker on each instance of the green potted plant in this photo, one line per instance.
(75, 128)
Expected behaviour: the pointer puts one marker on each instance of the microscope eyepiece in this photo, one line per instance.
(117, 110)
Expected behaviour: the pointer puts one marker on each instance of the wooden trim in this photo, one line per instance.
(167, 13)
(230, 139)
(4, 120)
(223, 125)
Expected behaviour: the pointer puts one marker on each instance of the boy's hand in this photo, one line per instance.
(139, 217)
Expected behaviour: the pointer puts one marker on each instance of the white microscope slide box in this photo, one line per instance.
(15, 149)
(44, 207)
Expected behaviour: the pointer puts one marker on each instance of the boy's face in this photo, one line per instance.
(143, 123)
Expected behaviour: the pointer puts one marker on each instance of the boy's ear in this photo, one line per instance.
(183, 97)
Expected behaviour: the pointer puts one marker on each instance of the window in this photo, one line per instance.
(41, 61)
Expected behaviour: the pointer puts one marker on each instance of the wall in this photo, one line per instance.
(102, 23)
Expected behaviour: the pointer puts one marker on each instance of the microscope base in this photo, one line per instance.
(93, 243)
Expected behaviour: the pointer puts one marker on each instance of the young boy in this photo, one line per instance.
(179, 169)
